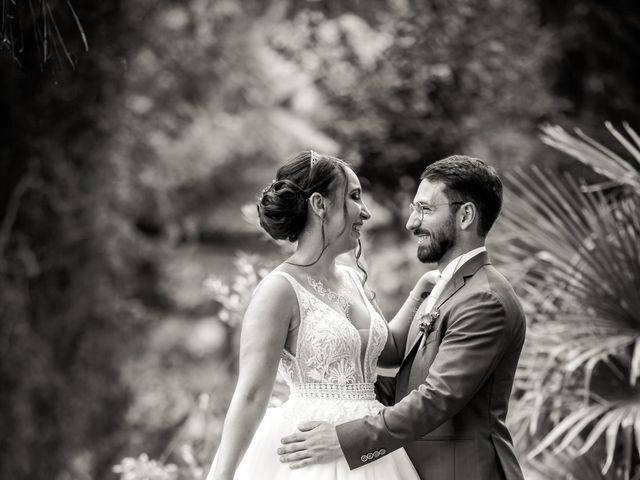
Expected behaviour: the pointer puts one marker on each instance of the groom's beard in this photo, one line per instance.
(438, 242)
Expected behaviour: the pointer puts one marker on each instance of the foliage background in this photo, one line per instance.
(133, 132)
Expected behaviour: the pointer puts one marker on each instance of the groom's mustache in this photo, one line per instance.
(421, 232)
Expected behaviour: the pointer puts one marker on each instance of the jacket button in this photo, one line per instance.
(382, 451)
(376, 454)
(364, 458)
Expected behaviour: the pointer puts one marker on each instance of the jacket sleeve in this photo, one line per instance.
(475, 339)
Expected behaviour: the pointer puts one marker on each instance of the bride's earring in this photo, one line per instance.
(322, 229)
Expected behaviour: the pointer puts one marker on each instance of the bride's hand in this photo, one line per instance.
(425, 283)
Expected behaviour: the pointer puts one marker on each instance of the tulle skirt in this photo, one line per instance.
(262, 462)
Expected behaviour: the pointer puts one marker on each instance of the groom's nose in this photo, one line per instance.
(412, 222)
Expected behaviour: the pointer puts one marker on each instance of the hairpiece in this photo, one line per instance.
(269, 187)
(314, 158)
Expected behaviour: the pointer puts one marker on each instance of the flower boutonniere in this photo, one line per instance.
(428, 321)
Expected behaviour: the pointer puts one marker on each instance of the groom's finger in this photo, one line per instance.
(302, 463)
(306, 426)
(293, 438)
(295, 456)
(292, 447)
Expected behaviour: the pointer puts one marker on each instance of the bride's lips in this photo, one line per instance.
(356, 227)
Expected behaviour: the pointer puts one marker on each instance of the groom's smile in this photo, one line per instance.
(422, 236)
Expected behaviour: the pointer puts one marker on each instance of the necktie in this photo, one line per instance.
(431, 301)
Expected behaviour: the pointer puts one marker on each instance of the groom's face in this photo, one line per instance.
(436, 230)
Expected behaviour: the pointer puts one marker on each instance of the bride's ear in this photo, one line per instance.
(318, 204)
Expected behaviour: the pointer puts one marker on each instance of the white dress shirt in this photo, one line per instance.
(447, 274)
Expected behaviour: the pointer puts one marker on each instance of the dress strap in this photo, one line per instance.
(355, 278)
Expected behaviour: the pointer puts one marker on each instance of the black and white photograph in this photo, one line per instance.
(319, 240)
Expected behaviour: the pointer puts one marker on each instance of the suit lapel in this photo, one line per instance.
(455, 284)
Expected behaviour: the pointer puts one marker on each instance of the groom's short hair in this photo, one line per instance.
(469, 179)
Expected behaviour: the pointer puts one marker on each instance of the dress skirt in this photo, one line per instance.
(261, 462)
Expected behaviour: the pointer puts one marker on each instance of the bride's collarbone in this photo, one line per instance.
(339, 293)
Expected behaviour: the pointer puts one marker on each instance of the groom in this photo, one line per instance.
(452, 390)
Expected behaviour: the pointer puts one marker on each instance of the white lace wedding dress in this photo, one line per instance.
(328, 382)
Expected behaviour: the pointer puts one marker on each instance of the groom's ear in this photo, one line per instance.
(469, 215)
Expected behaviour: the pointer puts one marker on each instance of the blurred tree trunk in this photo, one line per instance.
(64, 322)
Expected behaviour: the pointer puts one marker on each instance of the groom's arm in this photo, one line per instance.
(477, 335)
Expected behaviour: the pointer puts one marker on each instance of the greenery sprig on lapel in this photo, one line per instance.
(427, 322)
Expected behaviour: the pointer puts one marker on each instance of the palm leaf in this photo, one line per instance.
(577, 252)
(635, 364)
(603, 421)
(567, 465)
(591, 253)
(598, 157)
(570, 427)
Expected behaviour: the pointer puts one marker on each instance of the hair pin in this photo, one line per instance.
(314, 158)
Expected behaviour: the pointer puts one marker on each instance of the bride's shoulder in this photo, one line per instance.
(277, 283)
(274, 296)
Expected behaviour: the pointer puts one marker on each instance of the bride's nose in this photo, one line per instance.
(365, 213)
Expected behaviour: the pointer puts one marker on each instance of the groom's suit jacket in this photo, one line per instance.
(452, 394)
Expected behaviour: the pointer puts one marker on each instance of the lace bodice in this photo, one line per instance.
(328, 350)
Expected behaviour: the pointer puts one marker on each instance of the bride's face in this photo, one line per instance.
(346, 214)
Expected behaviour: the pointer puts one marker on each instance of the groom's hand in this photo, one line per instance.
(315, 442)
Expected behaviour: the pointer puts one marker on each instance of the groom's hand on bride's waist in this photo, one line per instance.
(315, 442)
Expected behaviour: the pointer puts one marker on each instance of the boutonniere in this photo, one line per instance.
(426, 325)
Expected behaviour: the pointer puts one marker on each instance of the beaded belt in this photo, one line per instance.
(353, 391)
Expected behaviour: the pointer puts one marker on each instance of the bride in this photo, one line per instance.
(314, 321)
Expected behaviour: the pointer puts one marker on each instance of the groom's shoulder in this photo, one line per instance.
(488, 278)
(490, 281)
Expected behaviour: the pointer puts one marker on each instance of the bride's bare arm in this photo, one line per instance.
(264, 331)
(399, 326)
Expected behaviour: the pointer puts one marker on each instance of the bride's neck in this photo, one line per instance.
(308, 253)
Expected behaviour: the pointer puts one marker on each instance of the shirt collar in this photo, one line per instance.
(459, 261)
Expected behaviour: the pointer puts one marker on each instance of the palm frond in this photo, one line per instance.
(614, 422)
(39, 19)
(635, 364)
(567, 465)
(577, 252)
(586, 246)
(598, 157)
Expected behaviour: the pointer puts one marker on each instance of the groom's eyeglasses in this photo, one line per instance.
(420, 208)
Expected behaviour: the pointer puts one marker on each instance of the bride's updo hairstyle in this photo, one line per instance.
(282, 207)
